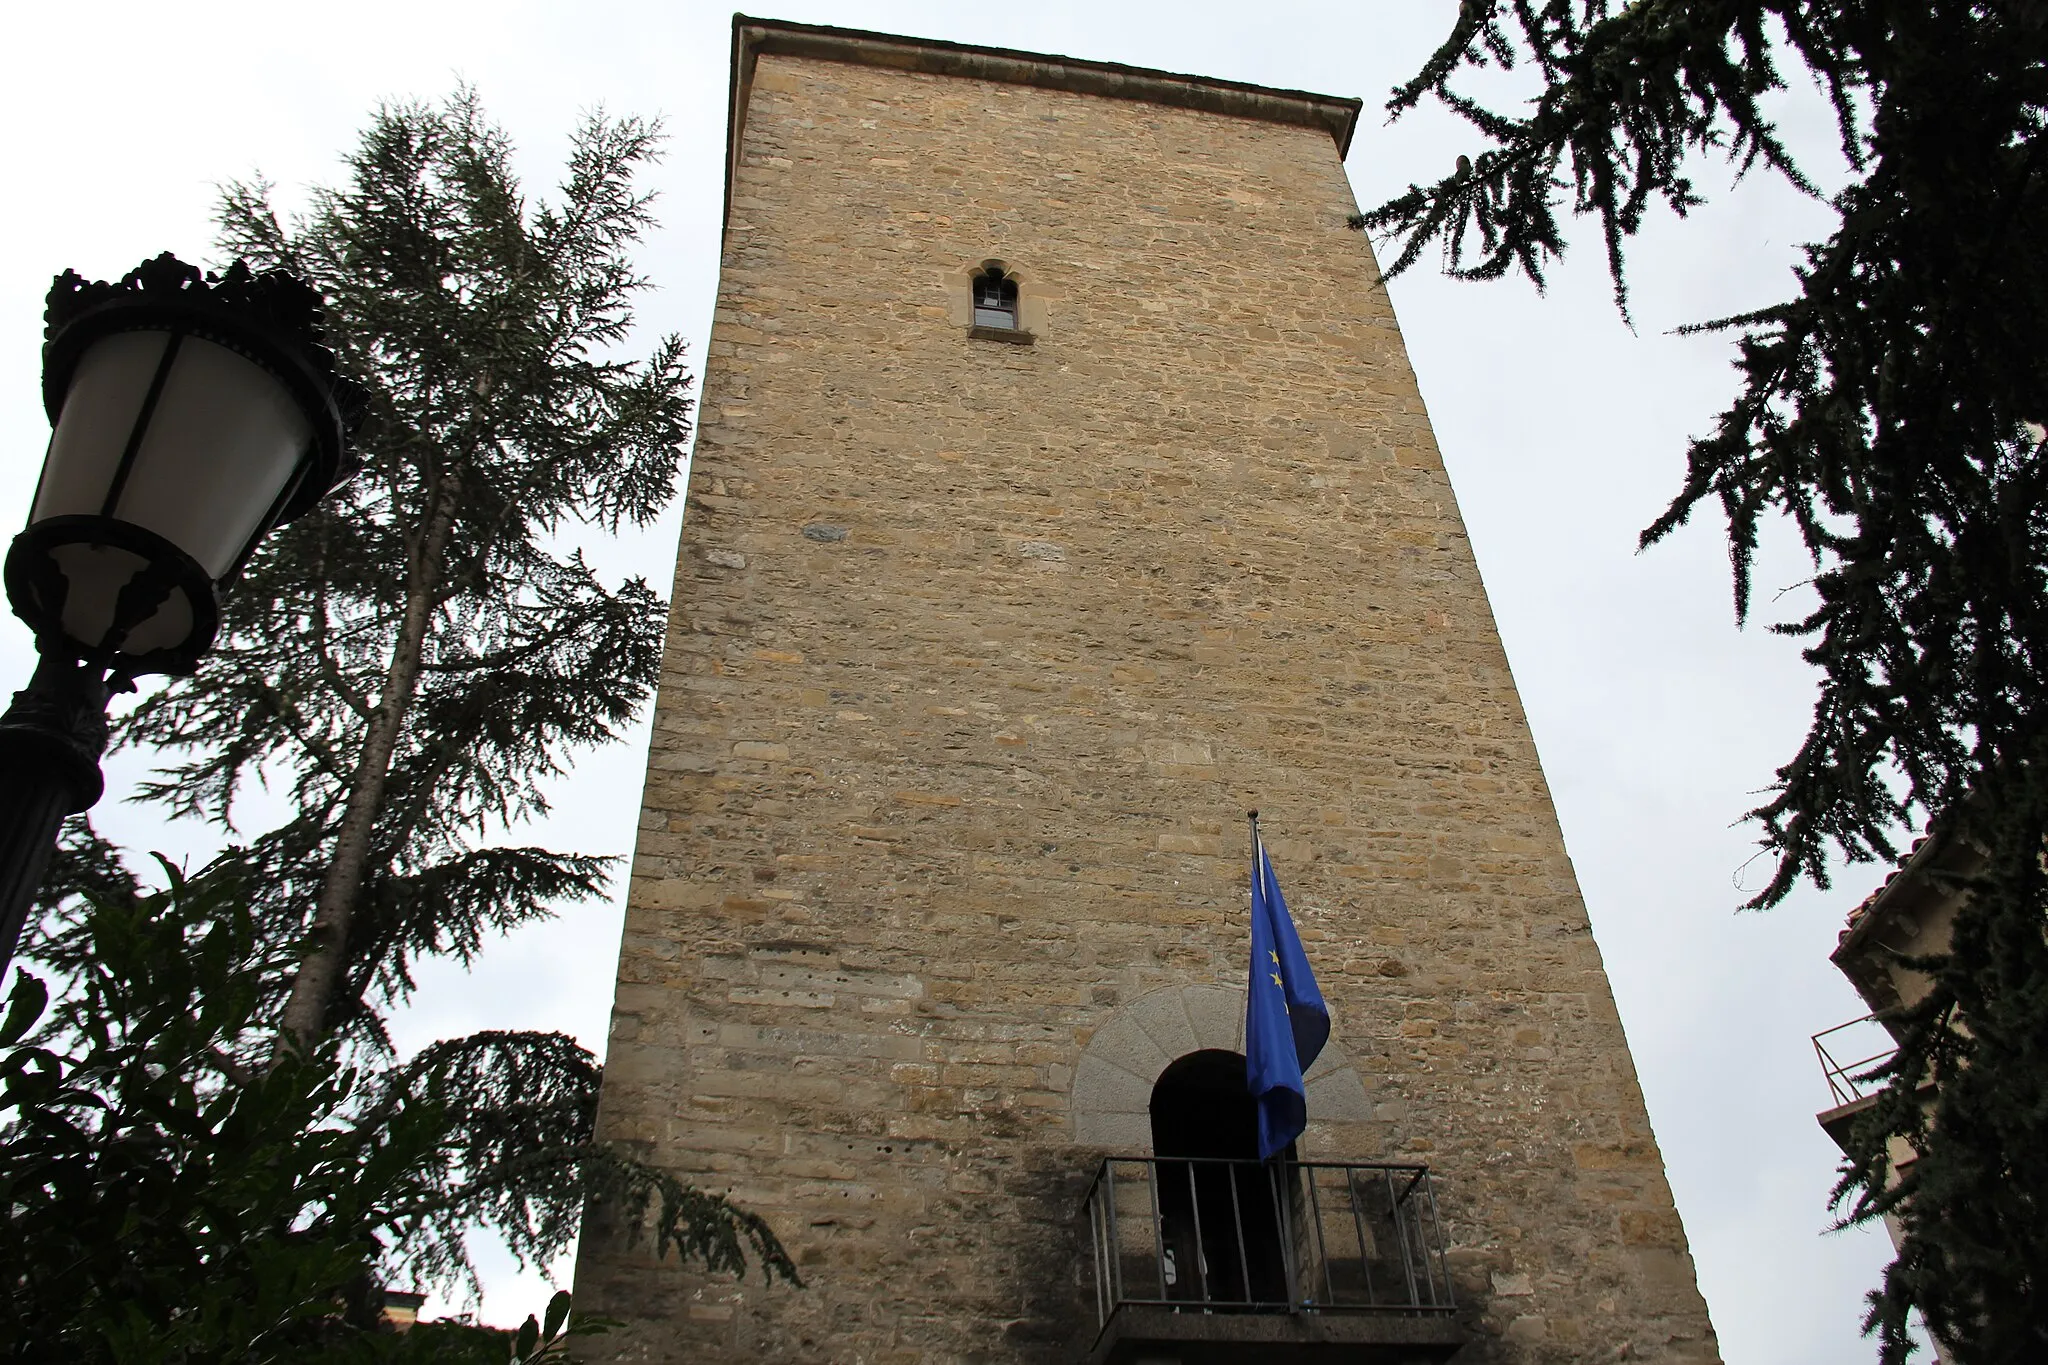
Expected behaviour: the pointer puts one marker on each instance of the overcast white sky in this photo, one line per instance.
(1564, 433)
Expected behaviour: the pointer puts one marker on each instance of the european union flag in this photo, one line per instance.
(1285, 1021)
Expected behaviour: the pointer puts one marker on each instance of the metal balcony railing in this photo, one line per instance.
(1249, 1236)
(1853, 1039)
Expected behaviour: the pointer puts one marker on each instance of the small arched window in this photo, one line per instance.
(995, 298)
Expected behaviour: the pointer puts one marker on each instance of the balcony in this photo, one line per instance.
(1866, 1041)
(1853, 1039)
(1206, 1261)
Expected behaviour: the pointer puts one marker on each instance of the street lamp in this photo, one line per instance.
(191, 415)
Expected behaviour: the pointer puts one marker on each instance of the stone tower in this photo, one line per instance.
(1062, 489)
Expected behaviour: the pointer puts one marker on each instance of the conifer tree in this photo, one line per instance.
(1889, 408)
(419, 654)
(411, 661)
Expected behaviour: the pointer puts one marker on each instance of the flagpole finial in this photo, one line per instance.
(1253, 814)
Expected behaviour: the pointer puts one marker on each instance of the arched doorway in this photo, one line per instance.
(1221, 1213)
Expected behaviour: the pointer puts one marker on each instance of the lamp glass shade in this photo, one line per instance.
(219, 445)
(180, 439)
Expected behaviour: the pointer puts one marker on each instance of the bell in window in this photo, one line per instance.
(995, 300)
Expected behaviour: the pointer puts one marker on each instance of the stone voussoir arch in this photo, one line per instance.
(1112, 1093)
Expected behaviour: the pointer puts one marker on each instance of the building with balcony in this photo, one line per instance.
(1061, 490)
(1907, 917)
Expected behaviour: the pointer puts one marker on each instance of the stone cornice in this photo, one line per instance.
(751, 37)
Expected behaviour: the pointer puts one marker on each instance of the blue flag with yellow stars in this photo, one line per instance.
(1285, 1021)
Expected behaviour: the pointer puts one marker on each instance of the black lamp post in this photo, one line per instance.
(191, 415)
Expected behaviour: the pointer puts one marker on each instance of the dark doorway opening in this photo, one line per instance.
(1221, 1219)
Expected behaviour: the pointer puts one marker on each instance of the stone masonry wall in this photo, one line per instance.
(980, 651)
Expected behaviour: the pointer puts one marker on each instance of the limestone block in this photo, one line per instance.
(1338, 1096)
(1123, 1042)
(1331, 1058)
(1100, 1087)
(1165, 1020)
(1217, 1015)
(1122, 1134)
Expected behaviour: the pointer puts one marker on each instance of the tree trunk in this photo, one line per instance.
(323, 968)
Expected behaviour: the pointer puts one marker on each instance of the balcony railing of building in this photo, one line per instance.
(1302, 1237)
(1864, 1039)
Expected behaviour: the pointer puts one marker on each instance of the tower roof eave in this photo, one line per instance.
(751, 37)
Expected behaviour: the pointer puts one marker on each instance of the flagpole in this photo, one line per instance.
(1253, 909)
(1275, 1166)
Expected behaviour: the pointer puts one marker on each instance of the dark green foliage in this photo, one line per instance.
(84, 868)
(163, 1201)
(174, 1191)
(1882, 410)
